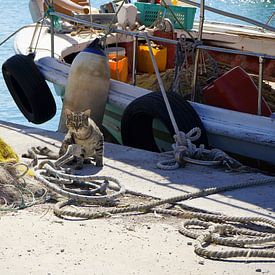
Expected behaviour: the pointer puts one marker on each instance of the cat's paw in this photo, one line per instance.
(99, 163)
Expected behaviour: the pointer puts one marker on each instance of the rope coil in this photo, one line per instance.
(185, 151)
(223, 235)
(57, 180)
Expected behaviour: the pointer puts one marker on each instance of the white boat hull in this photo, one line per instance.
(235, 132)
(244, 134)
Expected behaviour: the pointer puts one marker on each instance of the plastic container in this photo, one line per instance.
(235, 90)
(118, 63)
(149, 13)
(144, 62)
(119, 68)
(128, 46)
(114, 52)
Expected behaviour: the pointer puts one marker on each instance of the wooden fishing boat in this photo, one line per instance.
(237, 132)
(247, 38)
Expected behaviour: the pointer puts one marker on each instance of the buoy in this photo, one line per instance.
(88, 84)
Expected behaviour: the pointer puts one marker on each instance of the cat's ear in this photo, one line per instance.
(87, 112)
(68, 112)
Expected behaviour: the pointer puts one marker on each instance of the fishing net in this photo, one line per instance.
(205, 73)
(19, 190)
(18, 187)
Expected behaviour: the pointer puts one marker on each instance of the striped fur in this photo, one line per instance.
(83, 131)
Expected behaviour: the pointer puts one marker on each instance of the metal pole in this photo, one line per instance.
(155, 38)
(52, 36)
(196, 64)
(135, 42)
(33, 37)
(52, 30)
(260, 85)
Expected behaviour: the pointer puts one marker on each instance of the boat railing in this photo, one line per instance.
(140, 34)
(232, 15)
(199, 46)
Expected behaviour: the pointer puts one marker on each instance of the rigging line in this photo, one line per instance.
(90, 11)
(41, 26)
(11, 35)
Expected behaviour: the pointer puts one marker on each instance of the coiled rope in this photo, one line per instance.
(253, 237)
(186, 151)
(95, 193)
(229, 235)
(92, 199)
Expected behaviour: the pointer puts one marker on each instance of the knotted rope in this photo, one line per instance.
(186, 151)
(95, 193)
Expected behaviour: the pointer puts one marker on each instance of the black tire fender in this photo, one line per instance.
(28, 88)
(137, 119)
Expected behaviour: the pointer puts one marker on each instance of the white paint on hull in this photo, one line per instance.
(245, 134)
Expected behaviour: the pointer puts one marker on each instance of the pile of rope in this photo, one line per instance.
(18, 188)
(218, 229)
(184, 150)
(99, 196)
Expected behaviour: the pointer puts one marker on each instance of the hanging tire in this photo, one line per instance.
(28, 88)
(137, 120)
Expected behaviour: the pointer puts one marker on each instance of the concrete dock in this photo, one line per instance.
(35, 241)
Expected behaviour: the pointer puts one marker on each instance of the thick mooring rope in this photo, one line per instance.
(96, 199)
(185, 151)
(212, 230)
(228, 235)
(152, 205)
(56, 180)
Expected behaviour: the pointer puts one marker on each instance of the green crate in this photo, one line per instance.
(149, 13)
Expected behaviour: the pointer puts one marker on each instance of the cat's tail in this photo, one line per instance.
(42, 151)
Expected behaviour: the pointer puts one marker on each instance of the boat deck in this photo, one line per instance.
(34, 241)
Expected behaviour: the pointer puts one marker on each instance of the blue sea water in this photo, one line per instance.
(15, 13)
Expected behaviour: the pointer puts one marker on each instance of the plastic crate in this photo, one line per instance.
(149, 13)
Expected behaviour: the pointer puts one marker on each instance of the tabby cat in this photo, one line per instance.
(83, 131)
